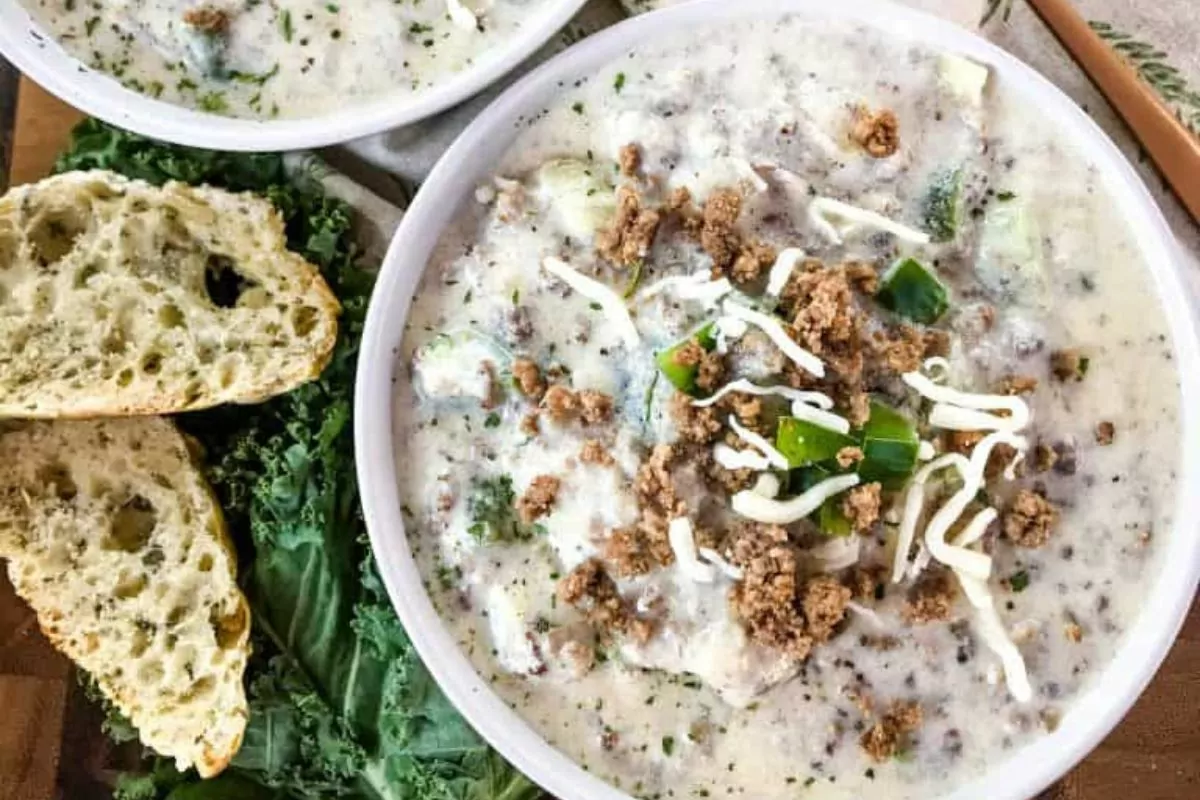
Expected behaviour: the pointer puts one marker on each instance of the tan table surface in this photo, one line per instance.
(50, 746)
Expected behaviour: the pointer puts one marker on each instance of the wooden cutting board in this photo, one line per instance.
(51, 746)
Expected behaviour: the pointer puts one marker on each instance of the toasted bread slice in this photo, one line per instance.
(114, 538)
(120, 298)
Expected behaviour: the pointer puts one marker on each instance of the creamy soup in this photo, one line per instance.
(283, 58)
(790, 416)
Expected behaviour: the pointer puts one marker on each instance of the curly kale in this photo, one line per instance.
(340, 705)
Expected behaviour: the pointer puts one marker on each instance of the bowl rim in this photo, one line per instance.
(1110, 694)
(37, 54)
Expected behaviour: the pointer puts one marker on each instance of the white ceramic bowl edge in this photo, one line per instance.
(41, 58)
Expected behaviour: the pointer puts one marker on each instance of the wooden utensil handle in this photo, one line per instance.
(1169, 143)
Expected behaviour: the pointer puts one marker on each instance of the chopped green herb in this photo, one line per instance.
(1019, 581)
(492, 420)
(285, 25)
(619, 82)
(577, 107)
(1004, 197)
(941, 205)
(668, 745)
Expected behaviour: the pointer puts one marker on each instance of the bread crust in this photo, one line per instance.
(117, 542)
(114, 302)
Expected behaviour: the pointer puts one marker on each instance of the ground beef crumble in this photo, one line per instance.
(849, 456)
(877, 132)
(207, 19)
(633, 229)
(1030, 519)
(593, 452)
(1068, 364)
(629, 158)
(931, 598)
(1105, 433)
(861, 506)
(824, 605)
(591, 591)
(596, 408)
(1018, 384)
(563, 404)
(766, 600)
(560, 403)
(539, 498)
(891, 734)
(700, 425)
(528, 378)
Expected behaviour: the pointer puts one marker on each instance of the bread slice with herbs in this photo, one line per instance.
(118, 297)
(114, 538)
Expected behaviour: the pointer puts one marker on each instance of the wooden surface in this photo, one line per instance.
(50, 746)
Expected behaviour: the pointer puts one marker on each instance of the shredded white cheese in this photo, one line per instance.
(698, 286)
(822, 210)
(810, 406)
(754, 506)
(938, 368)
(781, 270)
(730, 458)
(758, 442)
(744, 386)
(714, 558)
(963, 411)
(914, 503)
(773, 328)
(683, 544)
(975, 528)
(767, 485)
(610, 302)
(729, 330)
(991, 630)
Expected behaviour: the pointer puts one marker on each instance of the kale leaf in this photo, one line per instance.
(340, 704)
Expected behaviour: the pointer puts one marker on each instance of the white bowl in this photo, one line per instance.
(38, 55)
(468, 162)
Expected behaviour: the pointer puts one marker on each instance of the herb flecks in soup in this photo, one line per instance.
(789, 411)
(298, 58)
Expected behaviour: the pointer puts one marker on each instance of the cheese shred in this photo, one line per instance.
(751, 505)
(773, 328)
(608, 300)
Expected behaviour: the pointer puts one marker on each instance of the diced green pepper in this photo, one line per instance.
(804, 443)
(941, 205)
(913, 292)
(829, 517)
(890, 445)
(683, 376)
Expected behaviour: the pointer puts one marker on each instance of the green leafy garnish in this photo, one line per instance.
(1018, 581)
(941, 207)
(913, 292)
(340, 705)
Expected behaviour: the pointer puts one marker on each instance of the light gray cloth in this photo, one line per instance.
(1169, 26)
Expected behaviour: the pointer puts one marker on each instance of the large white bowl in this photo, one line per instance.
(468, 162)
(37, 54)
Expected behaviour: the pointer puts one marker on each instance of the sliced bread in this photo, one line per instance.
(118, 297)
(114, 538)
